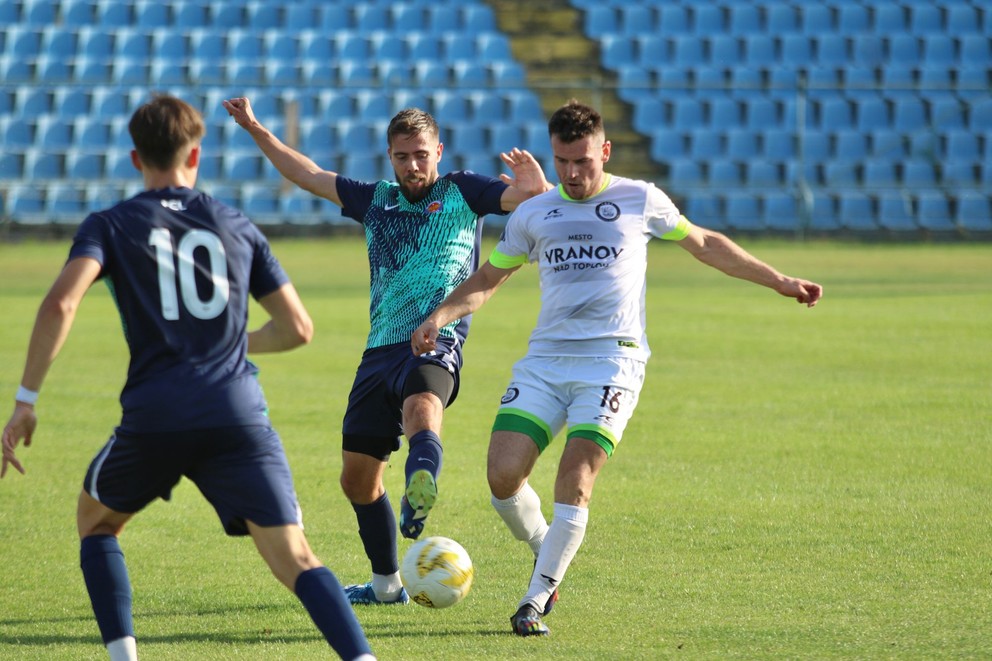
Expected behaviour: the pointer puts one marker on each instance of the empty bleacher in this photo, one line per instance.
(766, 116)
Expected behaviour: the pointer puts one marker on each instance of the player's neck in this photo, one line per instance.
(180, 178)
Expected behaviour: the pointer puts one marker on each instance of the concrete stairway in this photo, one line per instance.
(546, 38)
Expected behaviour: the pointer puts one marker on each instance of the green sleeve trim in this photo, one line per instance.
(681, 230)
(522, 422)
(595, 434)
(501, 261)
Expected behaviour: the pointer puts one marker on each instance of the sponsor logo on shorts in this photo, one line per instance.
(510, 395)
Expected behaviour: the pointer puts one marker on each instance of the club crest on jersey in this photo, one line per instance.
(607, 211)
(434, 207)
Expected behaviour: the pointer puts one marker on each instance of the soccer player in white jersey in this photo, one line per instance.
(585, 363)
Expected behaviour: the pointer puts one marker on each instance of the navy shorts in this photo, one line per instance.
(242, 472)
(373, 422)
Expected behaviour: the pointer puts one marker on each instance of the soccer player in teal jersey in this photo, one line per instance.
(423, 233)
(182, 266)
(585, 360)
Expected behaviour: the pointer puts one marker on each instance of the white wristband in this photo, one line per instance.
(26, 396)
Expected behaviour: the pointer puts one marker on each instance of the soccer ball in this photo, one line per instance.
(437, 572)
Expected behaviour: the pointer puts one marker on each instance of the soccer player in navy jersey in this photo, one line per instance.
(423, 233)
(181, 266)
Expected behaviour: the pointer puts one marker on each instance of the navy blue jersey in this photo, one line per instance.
(419, 251)
(180, 266)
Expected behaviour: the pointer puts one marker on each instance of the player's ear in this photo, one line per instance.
(193, 160)
(135, 161)
(440, 150)
(607, 148)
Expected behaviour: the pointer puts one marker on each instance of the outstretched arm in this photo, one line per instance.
(51, 327)
(718, 251)
(289, 324)
(464, 300)
(527, 181)
(291, 164)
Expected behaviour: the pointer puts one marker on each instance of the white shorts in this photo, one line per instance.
(595, 397)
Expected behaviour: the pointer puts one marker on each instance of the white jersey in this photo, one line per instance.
(592, 256)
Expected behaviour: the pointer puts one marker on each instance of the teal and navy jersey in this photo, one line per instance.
(419, 251)
(180, 266)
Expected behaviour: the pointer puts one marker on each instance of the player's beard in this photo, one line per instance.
(421, 187)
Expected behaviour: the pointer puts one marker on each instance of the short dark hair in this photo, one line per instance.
(412, 121)
(574, 121)
(161, 128)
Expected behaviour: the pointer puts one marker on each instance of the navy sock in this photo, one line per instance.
(321, 594)
(425, 453)
(109, 587)
(377, 528)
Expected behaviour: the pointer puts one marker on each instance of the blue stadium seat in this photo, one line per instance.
(980, 114)
(973, 211)
(872, 113)
(889, 18)
(939, 49)
(171, 47)
(895, 212)
(933, 211)
(742, 210)
(467, 137)
(899, 81)
(796, 50)
(903, 48)
(850, 145)
(778, 144)
(841, 174)
(960, 144)
(834, 113)
(26, 203)
(672, 18)
(704, 209)
(493, 47)
(868, 50)
(959, 174)
(617, 50)
(780, 211)
(725, 50)
(371, 17)
(242, 165)
(724, 112)
(191, 14)
(152, 14)
(925, 18)
(705, 143)
(852, 18)
(759, 51)
(706, 19)
(962, 18)
(524, 107)
(508, 74)
(723, 174)
(741, 143)
(917, 174)
(54, 133)
(816, 18)
(262, 15)
(634, 83)
(684, 173)
(244, 73)
(119, 165)
(823, 213)
(975, 50)
(860, 82)
(115, 14)
(84, 165)
(11, 165)
(227, 15)
(688, 50)
(887, 143)
(18, 133)
(54, 71)
(762, 174)
(880, 174)
(260, 202)
(503, 137)
(780, 18)
(686, 113)
(635, 19)
(41, 12)
(745, 19)
(300, 16)
(831, 50)
(946, 111)
(40, 165)
(710, 82)
(909, 114)
(667, 144)
(855, 210)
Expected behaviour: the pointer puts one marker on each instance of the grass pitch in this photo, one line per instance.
(795, 484)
